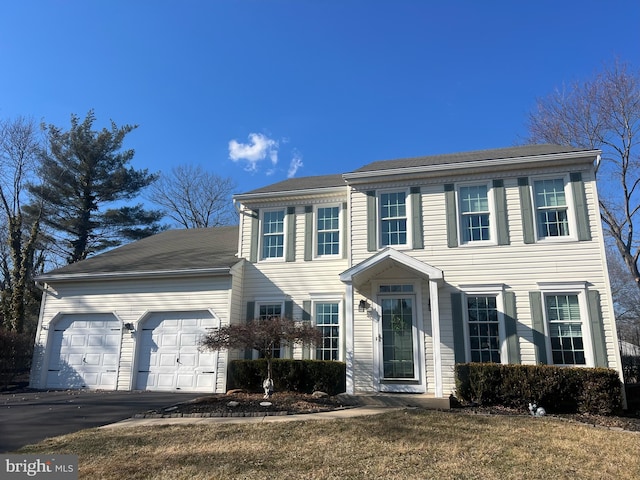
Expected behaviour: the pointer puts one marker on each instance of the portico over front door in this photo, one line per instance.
(400, 361)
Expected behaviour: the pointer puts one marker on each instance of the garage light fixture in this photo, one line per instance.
(129, 326)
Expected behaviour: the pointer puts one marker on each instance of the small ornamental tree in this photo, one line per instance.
(263, 335)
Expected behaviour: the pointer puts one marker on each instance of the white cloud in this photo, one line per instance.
(296, 163)
(252, 153)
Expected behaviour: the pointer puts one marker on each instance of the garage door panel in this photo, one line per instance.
(187, 360)
(176, 363)
(84, 352)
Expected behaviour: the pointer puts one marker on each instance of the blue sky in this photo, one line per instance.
(259, 90)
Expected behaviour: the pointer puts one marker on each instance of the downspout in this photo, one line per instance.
(38, 358)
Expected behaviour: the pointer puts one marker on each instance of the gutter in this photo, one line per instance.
(70, 277)
(288, 193)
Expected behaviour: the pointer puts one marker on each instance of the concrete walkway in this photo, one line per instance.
(332, 415)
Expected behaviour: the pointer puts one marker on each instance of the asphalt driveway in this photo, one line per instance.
(30, 417)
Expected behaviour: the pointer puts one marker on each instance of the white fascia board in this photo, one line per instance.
(312, 192)
(393, 254)
(73, 277)
(475, 164)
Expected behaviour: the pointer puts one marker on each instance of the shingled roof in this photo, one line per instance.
(477, 155)
(170, 251)
(301, 183)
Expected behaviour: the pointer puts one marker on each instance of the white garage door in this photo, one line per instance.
(84, 352)
(169, 357)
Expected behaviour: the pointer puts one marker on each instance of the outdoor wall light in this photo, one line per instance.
(363, 306)
(129, 326)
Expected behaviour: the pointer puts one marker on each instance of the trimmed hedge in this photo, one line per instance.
(596, 391)
(304, 376)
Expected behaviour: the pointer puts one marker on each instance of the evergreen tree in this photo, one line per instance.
(88, 181)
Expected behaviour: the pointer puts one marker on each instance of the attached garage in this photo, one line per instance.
(84, 352)
(169, 357)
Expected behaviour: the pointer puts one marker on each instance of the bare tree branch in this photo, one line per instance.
(194, 198)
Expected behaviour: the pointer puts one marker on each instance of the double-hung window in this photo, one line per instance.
(565, 329)
(474, 213)
(267, 311)
(484, 328)
(328, 231)
(327, 319)
(273, 234)
(393, 218)
(552, 211)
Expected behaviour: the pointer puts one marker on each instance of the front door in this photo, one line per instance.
(400, 366)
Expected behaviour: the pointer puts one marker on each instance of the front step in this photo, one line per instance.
(396, 400)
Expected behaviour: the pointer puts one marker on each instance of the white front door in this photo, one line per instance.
(400, 365)
(84, 352)
(169, 356)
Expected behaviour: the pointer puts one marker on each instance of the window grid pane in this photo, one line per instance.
(273, 234)
(393, 216)
(328, 322)
(474, 208)
(269, 311)
(484, 332)
(565, 329)
(328, 228)
(551, 206)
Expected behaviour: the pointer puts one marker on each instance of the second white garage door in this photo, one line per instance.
(169, 357)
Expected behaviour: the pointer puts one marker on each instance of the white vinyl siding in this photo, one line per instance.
(130, 300)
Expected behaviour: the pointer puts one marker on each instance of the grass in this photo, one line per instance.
(394, 445)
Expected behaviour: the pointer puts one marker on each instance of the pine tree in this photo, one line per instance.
(88, 179)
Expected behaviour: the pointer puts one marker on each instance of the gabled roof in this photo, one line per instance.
(477, 155)
(372, 266)
(191, 251)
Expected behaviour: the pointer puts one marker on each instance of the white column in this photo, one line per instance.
(348, 333)
(435, 335)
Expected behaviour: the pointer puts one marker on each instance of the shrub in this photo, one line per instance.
(557, 389)
(304, 376)
(16, 350)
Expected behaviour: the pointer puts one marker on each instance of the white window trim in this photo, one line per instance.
(341, 321)
(493, 230)
(496, 290)
(568, 288)
(284, 233)
(315, 231)
(408, 216)
(571, 214)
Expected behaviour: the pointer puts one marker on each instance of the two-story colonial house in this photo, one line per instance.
(407, 266)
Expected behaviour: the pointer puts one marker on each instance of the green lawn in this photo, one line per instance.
(399, 444)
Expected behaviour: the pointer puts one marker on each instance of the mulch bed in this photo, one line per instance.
(242, 404)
